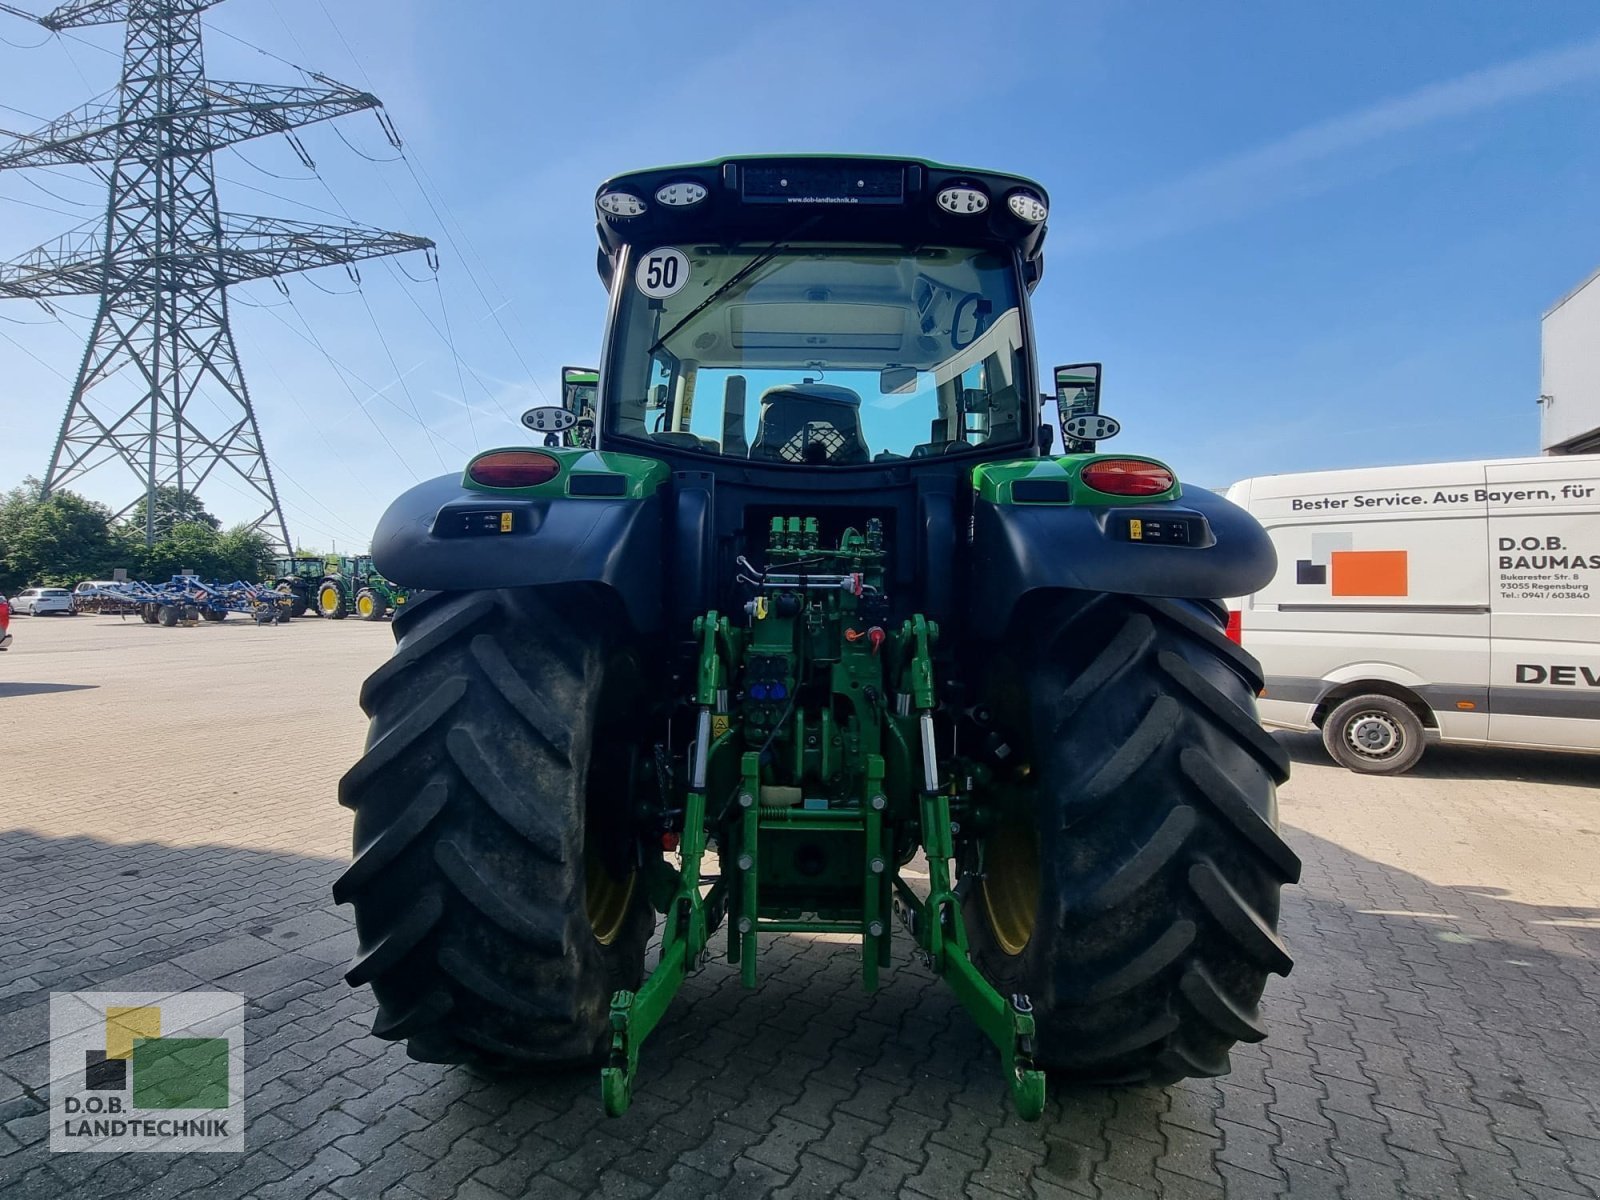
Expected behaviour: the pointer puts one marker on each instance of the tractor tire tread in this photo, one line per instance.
(1159, 857)
(390, 841)
(456, 614)
(1126, 878)
(468, 879)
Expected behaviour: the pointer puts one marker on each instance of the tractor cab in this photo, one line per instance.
(820, 313)
(299, 566)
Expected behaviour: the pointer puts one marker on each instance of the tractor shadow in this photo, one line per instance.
(1460, 994)
(14, 688)
(1442, 761)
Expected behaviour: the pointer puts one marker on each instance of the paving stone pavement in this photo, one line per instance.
(167, 821)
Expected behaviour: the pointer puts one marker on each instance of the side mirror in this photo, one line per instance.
(579, 388)
(1078, 408)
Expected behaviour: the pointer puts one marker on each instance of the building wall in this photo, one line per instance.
(1570, 372)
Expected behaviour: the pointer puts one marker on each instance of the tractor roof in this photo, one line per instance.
(809, 198)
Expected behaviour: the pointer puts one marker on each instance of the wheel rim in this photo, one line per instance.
(1011, 885)
(328, 598)
(606, 898)
(364, 606)
(1374, 734)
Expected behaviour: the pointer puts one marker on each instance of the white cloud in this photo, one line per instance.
(1283, 169)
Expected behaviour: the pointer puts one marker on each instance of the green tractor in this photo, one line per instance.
(297, 576)
(357, 588)
(818, 601)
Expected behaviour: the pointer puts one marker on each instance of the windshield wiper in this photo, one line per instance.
(755, 264)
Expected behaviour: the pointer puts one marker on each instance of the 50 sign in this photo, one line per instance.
(662, 272)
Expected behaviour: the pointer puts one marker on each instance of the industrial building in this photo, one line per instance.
(1569, 373)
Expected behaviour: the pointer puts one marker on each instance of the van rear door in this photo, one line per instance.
(1544, 564)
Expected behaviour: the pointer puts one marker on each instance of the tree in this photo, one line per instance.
(57, 542)
(174, 506)
(187, 546)
(244, 552)
(240, 553)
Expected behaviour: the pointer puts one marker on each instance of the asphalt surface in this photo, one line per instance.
(168, 822)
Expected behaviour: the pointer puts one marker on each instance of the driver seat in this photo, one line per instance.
(814, 423)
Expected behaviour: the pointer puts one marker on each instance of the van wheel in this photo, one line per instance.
(1375, 735)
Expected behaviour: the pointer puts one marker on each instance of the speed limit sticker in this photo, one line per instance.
(662, 272)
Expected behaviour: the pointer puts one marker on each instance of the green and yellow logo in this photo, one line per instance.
(167, 1072)
(146, 1071)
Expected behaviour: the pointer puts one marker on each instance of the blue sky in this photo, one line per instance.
(1300, 236)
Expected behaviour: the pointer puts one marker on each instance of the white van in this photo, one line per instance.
(1454, 599)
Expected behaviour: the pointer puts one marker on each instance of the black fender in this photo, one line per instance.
(1021, 548)
(442, 536)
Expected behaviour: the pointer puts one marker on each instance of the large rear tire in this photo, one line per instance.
(330, 600)
(370, 605)
(494, 888)
(297, 599)
(1135, 898)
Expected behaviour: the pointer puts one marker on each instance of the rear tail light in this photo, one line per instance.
(513, 468)
(1128, 477)
(1235, 627)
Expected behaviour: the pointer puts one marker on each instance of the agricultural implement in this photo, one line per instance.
(819, 596)
(187, 599)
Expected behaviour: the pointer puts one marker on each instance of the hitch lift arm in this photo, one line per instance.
(935, 924)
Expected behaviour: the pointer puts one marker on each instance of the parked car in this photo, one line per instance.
(86, 600)
(5, 624)
(36, 602)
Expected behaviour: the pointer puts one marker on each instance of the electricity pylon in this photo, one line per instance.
(162, 263)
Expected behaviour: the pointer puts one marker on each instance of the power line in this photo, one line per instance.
(310, 336)
(21, 46)
(234, 37)
(492, 310)
(394, 365)
(312, 423)
(35, 357)
(244, 158)
(414, 169)
(250, 187)
(348, 529)
(49, 208)
(359, 153)
(163, 303)
(444, 315)
(404, 386)
(34, 183)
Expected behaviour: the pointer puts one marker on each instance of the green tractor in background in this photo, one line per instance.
(814, 594)
(298, 576)
(358, 589)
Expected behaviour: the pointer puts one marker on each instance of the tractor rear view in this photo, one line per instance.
(297, 577)
(814, 594)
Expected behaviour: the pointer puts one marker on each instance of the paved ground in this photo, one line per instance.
(167, 821)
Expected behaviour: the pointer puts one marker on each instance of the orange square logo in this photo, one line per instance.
(1368, 573)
